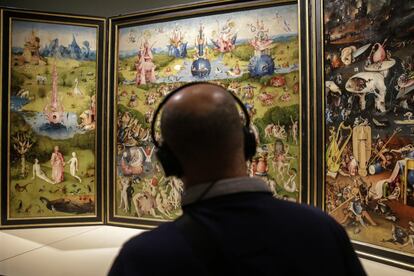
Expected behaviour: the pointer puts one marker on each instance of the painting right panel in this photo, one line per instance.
(368, 76)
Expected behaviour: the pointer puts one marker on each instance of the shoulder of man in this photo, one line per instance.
(302, 218)
(300, 213)
(322, 231)
(160, 240)
(143, 254)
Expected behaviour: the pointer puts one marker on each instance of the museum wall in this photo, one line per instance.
(93, 7)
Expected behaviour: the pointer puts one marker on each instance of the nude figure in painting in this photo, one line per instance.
(37, 172)
(74, 166)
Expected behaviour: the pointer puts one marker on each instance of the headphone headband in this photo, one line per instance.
(172, 93)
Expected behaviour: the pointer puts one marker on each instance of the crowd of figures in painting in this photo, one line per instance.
(254, 54)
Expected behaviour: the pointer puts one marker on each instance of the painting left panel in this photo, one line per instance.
(52, 103)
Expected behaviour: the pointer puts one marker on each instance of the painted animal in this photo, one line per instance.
(332, 87)
(41, 79)
(27, 210)
(90, 173)
(23, 93)
(19, 206)
(150, 100)
(290, 184)
(21, 188)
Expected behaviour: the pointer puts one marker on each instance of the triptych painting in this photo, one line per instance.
(327, 84)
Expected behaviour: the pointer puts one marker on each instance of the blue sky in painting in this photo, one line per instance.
(275, 19)
(48, 31)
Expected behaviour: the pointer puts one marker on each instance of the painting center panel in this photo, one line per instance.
(254, 54)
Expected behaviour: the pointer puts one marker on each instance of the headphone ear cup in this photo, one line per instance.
(249, 143)
(169, 162)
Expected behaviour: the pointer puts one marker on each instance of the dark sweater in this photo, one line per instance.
(257, 234)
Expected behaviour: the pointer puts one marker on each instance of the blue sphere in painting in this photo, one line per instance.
(261, 65)
(201, 68)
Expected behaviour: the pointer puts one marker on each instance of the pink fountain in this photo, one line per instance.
(54, 109)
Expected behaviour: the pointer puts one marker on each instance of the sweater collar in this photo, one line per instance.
(224, 187)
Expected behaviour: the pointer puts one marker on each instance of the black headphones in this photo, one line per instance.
(166, 157)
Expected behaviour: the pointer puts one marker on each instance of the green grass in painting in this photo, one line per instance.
(67, 70)
(26, 203)
(31, 204)
(284, 54)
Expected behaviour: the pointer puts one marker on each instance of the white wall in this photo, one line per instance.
(92, 7)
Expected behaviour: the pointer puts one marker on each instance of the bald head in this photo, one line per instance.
(202, 127)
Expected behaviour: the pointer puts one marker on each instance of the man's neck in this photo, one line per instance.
(194, 179)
